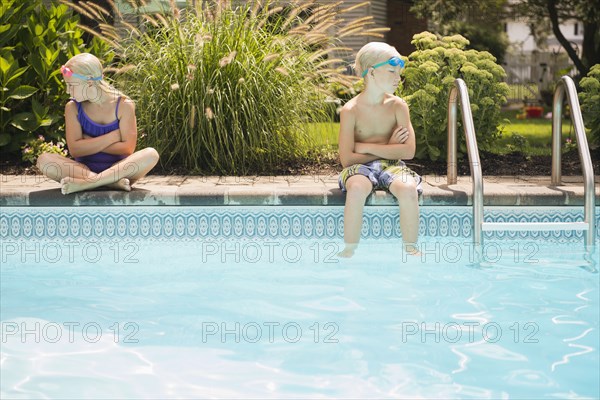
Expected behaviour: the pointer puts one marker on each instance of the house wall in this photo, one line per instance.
(521, 40)
(403, 25)
(377, 8)
(526, 63)
(394, 14)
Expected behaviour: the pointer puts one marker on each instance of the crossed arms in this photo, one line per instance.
(121, 141)
(401, 145)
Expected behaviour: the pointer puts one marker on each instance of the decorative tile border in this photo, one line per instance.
(267, 222)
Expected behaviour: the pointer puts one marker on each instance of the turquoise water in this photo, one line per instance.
(286, 318)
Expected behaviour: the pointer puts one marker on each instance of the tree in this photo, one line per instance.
(480, 22)
(543, 16)
(554, 12)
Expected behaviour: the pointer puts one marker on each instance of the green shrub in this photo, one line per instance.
(590, 102)
(516, 142)
(221, 89)
(33, 148)
(429, 75)
(35, 41)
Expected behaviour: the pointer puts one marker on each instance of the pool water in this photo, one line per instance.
(277, 317)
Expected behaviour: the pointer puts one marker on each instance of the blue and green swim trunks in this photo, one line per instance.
(381, 173)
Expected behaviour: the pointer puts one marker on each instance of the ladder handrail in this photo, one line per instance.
(567, 85)
(459, 92)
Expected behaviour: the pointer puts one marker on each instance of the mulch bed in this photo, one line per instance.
(513, 164)
(516, 164)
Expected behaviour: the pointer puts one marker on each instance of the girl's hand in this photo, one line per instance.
(118, 137)
(400, 135)
(113, 137)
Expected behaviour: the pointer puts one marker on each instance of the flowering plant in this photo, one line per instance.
(429, 75)
(570, 144)
(32, 149)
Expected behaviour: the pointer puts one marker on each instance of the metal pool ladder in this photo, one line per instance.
(566, 84)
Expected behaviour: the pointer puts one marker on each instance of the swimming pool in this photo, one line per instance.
(162, 302)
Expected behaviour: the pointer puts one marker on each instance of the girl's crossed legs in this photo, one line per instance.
(75, 176)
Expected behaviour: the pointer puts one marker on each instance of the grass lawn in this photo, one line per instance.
(536, 132)
(324, 133)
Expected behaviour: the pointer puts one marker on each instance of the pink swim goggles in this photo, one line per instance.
(66, 71)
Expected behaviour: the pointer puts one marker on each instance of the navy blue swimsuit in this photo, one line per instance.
(100, 161)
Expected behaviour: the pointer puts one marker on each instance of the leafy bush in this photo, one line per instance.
(228, 89)
(488, 37)
(429, 75)
(37, 146)
(590, 102)
(35, 41)
(518, 142)
(481, 22)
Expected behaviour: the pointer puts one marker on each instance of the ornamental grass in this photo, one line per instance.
(223, 88)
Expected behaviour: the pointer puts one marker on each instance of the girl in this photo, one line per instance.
(101, 132)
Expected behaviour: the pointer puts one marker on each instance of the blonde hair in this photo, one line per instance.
(371, 54)
(89, 65)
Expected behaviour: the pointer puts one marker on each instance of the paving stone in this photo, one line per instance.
(298, 190)
(193, 195)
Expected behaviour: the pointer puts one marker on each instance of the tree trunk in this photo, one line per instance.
(591, 45)
(583, 69)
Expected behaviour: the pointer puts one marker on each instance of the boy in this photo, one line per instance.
(375, 135)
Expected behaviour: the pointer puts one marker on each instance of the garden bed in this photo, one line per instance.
(511, 164)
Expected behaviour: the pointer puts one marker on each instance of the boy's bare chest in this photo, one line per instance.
(373, 125)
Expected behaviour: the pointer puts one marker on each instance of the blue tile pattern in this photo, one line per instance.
(267, 222)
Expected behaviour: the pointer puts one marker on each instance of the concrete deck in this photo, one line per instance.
(306, 190)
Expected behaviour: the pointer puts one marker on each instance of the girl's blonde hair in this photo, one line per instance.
(89, 65)
(373, 53)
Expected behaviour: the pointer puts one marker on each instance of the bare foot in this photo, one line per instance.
(411, 249)
(348, 251)
(70, 185)
(121, 184)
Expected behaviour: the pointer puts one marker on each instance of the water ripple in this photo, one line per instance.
(566, 358)
(527, 377)
(335, 303)
(557, 320)
(580, 336)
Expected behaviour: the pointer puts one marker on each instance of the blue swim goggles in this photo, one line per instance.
(394, 62)
(66, 71)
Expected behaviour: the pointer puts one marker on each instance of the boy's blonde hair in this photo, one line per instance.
(89, 65)
(373, 53)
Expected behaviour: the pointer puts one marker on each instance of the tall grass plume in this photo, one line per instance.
(223, 88)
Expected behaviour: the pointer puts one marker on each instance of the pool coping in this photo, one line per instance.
(297, 190)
